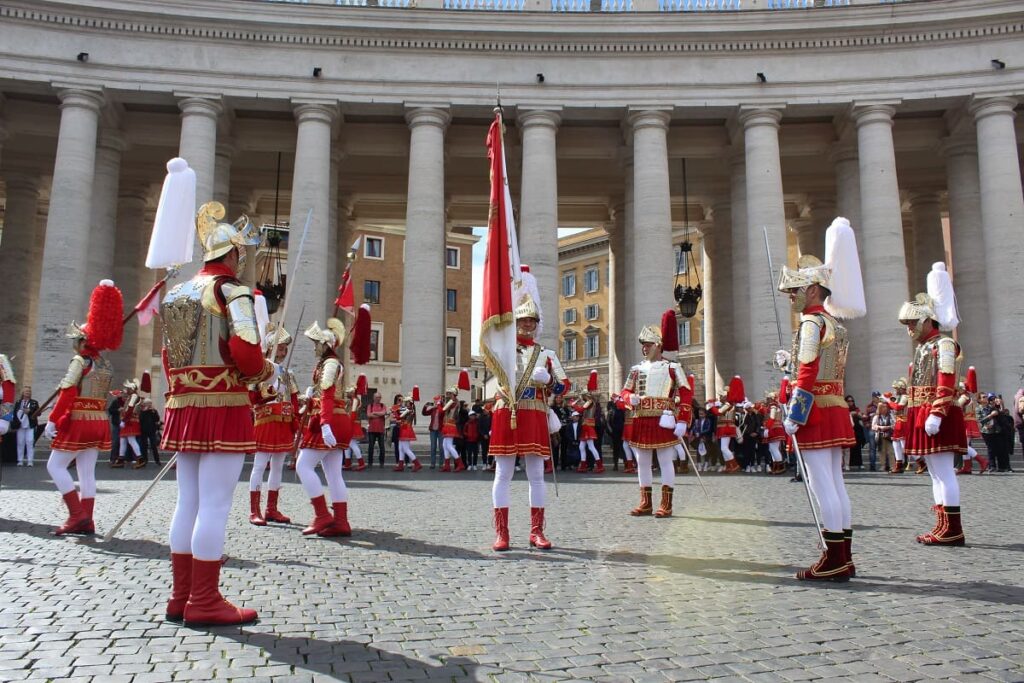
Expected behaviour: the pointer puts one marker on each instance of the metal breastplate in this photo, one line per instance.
(339, 396)
(194, 324)
(654, 379)
(96, 384)
(926, 364)
(832, 351)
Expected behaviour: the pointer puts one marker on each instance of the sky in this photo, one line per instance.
(479, 252)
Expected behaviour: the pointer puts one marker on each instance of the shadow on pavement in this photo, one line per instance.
(770, 522)
(405, 545)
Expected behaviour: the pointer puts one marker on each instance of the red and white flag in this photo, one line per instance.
(501, 266)
(150, 304)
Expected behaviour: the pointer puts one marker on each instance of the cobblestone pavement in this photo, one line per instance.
(416, 593)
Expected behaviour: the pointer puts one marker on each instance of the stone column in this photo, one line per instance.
(1002, 208)
(34, 285)
(129, 272)
(104, 206)
(198, 146)
(765, 209)
(222, 174)
(538, 214)
(883, 262)
(968, 251)
(17, 255)
(708, 264)
(423, 287)
(740, 248)
(65, 252)
(821, 211)
(336, 247)
(238, 203)
(311, 193)
(719, 304)
(629, 325)
(807, 236)
(653, 263)
(618, 357)
(928, 243)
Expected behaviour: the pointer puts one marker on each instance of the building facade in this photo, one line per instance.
(363, 116)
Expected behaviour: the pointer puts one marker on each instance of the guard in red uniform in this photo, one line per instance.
(276, 418)
(968, 390)
(354, 405)
(450, 430)
(897, 400)
(78, 423)
(724, 411)
(654, 390)
(211, 355)
(817, 415)
(407, 434)
(586, 407)
(540, 377)
(131, 429)
(935, 421)
(7, 387)
(774, 432)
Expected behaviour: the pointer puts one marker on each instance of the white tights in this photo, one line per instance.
(825, 477)
(680, 453)
(305, 467)
(588, 445)
(645, 471)
(505, 468)
(85, 463)
(259, 464)
(627, 450)
(945, 487)
(135, 446)
(448, 446)
(405, 452)
(354, 451)
(206, 484)
(776, 450)
(726, 451)
(971, 453)
(897, 448)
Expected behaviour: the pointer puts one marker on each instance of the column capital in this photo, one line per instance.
(873, 113)
(111, 139)
(439, 117)
(201, 106)
(532, 118)
(982, 107)
(315, 111)
(226, 148)
(21, 182)
(959, 146)
(751, 116)
(843, 151)
(135, 192)
(92, 100)
(923, 196)
(649, 118)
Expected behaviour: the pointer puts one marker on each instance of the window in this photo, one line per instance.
(451, 257)
(569, 316)
(373, 247)
(371, 291)
(684, 333)
(593, 345)
(590, 279)
(451, 349)
(569, 284)
(591, 311)
(374, 344)
(569, 349)
(452, 300)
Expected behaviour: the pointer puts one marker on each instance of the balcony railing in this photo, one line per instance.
(596, 6)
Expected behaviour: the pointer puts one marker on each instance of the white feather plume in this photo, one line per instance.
(262, 318)
(940, 289)
(174, 230)
(842, 259)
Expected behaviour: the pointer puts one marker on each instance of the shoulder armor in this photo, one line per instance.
(241, 311)
(810, 338)
(75, 373)
(948, 351)
(293, 386)
(329, 374)
(6, 370)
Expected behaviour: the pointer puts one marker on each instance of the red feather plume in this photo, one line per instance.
(736, 391)
(360, 345)
(146, 383)
(691, 379)
(464, 380)
(415, 393)
(103, 327)
(784, 389)
(972, 380)
(592, 381)
(361, 385)
(669, 331)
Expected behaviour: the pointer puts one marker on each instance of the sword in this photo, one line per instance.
(693, 468)
(160, 475)
(292, 278)
(802, 467)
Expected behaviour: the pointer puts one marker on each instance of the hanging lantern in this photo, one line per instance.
(687, 295)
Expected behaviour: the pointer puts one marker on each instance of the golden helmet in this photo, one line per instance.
(650, 334)
(921, 308)
(332, 335)
(809, 271)
(220, 238)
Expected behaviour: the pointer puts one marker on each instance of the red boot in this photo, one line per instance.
(273, 514)
(255, 517)
(832, 564)
(732, 466)
(501, 527)
(982, 463)
(537, 538)
(848, 549)
(940, 521)
(922, 467)
(684, 466)
(599, 467)
(548, 467)
(400, 467)
(416, 465)
(87, 507)
(952, 532)
(967, 467)
(583, 466)
(77, 521)
(206, 606)
(665, 509)
(339, 525)
(360, 465)
(322, 518)
(630, 467)
(348, 465)
(181, 586)
(446, 467)
(646, 506)
(459, 465)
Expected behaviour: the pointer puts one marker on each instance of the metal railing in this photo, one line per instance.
(599, 6)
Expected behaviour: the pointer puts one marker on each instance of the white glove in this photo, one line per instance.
(680, 430)
(667, 420)
(932, 424)
(309, 393)
(121, 426)
(634, 400)
(50, 431)
(5, 426)
(791, 427)
(782, 359)
(328, 435)
(541, 375)
(764, 433)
